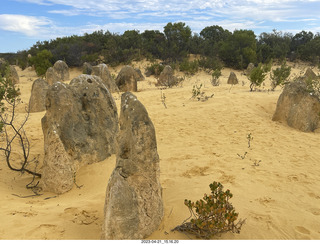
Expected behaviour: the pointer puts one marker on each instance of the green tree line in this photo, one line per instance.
(214, 44)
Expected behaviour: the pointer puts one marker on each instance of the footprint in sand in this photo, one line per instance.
(46, 232)
(315, 211)
(302, 230)
(196, 171)
(80, 217)
(24, 214)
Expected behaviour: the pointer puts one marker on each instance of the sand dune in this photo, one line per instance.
(275, 187)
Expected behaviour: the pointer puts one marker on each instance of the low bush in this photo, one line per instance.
(257, 76)
(155, 69)
(212, 215)
(280, 75)
(189, 67)
(313, 86)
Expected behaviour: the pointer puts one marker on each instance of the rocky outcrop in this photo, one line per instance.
(249, 69)
(102, 71)
(133, 207)
(139, 75)
(127, 79)
(87, 68)
(298, 107)
(167, 78)
(62, 70)
(38, 96)
(13, 75)
(59, 72)
(58, 170)
(232, 80)
(309, 75)
(85, 117)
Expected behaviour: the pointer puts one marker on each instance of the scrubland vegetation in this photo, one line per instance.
(216, 46)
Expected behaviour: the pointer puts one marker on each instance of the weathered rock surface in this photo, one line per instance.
(249, 69)
(13, 74)
(167, 78)
(139, 75)
(127, 79)
(232, 80)
(134, 207)
(87, 68)
(298, 108)
(38, 96)
(309, 75)
(58, 169)
(51, 76)
(85, 117)
(59, 72)
(102, 71)
(62, 69)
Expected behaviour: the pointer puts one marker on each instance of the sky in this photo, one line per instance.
(24, 22)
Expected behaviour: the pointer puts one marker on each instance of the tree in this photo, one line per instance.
(41, 62)
(280, 75)
(153, 42)
(311, 50)
(178, 36)
(12, 129)
(274, 45)
(212, 35)
(300, 39)
(257, 76)
(239, 49)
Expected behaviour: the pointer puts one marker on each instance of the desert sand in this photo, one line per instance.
(276, 187)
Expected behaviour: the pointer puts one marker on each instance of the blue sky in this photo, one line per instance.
(24, 22)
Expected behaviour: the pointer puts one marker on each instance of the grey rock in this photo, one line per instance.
(102, 71)
(298, 107)
(167, 77)
(87, 68)
(127, 79)
(85, 116)
(232, 80)
(59, 72)
(38, 96)
(13, 75)
(133, 206)
(58, 168)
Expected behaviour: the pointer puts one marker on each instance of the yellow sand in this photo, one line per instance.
(276, 187)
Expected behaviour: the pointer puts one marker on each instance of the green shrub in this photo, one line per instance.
(210, 63)
(41, 62)
(215, 76)
(280, 75)
(212, 215)
(257, 76)
(313, 86)
(155, 69)
(189, 67)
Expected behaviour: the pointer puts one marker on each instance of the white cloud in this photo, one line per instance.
(28, 25)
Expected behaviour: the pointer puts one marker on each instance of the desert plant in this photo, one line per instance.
(257, 76)
(198, 94)
(280, 75)
(215, 77)
(212, 215)
(41, 62)
(189, 67)
(313, 86)
(155, 69)
(163, 99)
(12, 129)
(196, 91)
